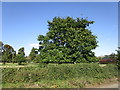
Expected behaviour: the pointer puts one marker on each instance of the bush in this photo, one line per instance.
(58, 72)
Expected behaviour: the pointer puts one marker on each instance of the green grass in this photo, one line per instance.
(15, 65)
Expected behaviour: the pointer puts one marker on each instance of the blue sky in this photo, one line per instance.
(22, 22)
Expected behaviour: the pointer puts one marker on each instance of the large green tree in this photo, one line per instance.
(68, 40)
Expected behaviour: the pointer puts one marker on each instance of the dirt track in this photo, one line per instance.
(110, 83)
(115, 85)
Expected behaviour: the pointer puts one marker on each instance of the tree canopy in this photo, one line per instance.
(33, 53)
(21, 51)
(7, 52)
(20, 57)
(68, 40)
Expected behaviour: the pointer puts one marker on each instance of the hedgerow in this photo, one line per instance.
(58, 72)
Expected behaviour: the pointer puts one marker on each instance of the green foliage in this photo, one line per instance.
(33, 54)
(19, 59)
(42, 65)
(8, 53)
(6, 57)
(68, 40)
(37, 59)
(21, 51)
(58, 72)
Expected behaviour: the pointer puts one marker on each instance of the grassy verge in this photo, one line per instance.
(15, 65)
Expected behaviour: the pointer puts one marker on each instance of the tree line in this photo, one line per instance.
(8, 54)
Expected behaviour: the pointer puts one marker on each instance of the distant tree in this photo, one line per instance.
(33, 53)
(113, 56)
(68, 40)
(21, 51)
(7, 54)
(20, 57)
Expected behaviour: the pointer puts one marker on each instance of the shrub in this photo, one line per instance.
(58, 72)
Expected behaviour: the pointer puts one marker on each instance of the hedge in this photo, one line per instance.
(58, 72)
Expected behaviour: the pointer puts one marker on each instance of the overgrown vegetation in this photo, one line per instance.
(62, 72)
